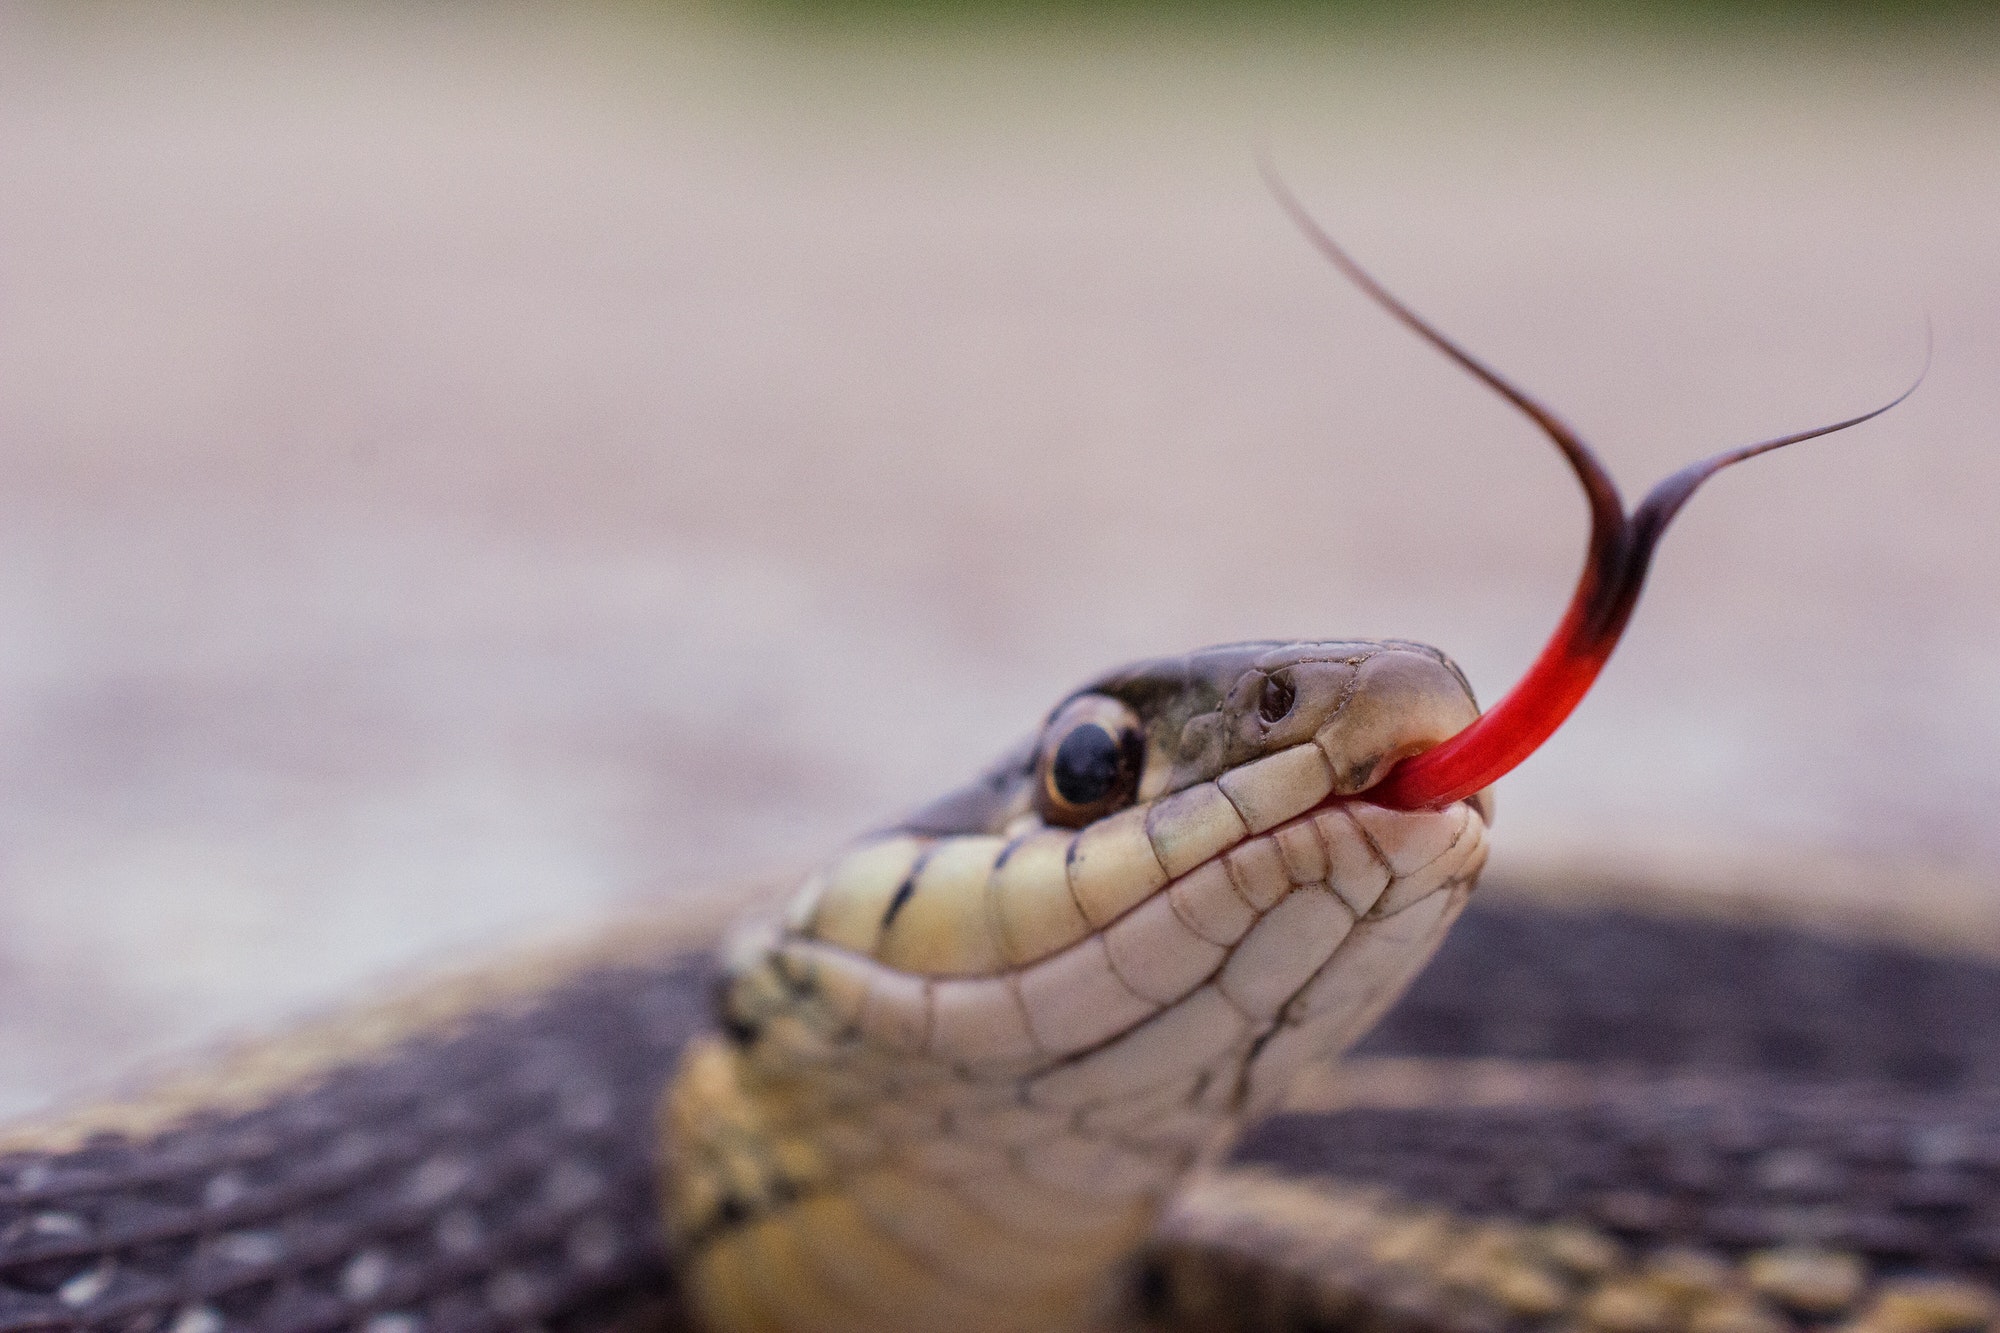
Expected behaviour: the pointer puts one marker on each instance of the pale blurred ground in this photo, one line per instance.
(470, 469)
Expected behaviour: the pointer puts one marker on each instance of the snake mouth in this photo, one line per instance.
(1278, 824)
(1383, 797)
(1418, 850)
(1371, 797)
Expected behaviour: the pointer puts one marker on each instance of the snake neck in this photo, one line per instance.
(960, 1078)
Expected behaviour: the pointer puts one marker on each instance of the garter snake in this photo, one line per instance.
(1028, 1059)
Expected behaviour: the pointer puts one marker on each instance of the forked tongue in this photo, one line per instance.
(1614, 570)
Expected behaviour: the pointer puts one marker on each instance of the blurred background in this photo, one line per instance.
(466, 469)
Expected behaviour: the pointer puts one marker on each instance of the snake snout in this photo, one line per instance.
(1350, 718)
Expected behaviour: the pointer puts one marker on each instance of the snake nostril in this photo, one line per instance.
(1275, 704)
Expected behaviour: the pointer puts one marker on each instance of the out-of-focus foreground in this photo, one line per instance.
(469, 469)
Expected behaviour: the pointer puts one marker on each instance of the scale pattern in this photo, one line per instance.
(1906, 1181)
(1733, 998)
(1668, 1126)
(497, 1176)
(500, 1174)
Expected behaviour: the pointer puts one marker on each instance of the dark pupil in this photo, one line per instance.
(1087, 765)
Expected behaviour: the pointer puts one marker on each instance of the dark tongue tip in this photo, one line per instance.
(1621, 549)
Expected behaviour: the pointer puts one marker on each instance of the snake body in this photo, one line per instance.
(1594, 1115)
(482, 1154)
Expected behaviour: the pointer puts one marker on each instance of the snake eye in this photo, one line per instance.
(1090, 759)
(1086, 767)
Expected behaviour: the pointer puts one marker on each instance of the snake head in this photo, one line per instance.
(1187, 848)
(1364, 706)
(1154, 912)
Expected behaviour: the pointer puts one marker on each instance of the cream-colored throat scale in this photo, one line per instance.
(962, 1076)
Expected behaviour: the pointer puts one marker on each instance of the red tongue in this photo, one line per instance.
(1614, 570)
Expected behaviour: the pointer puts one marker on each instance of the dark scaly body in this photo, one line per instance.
(498, 1171)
